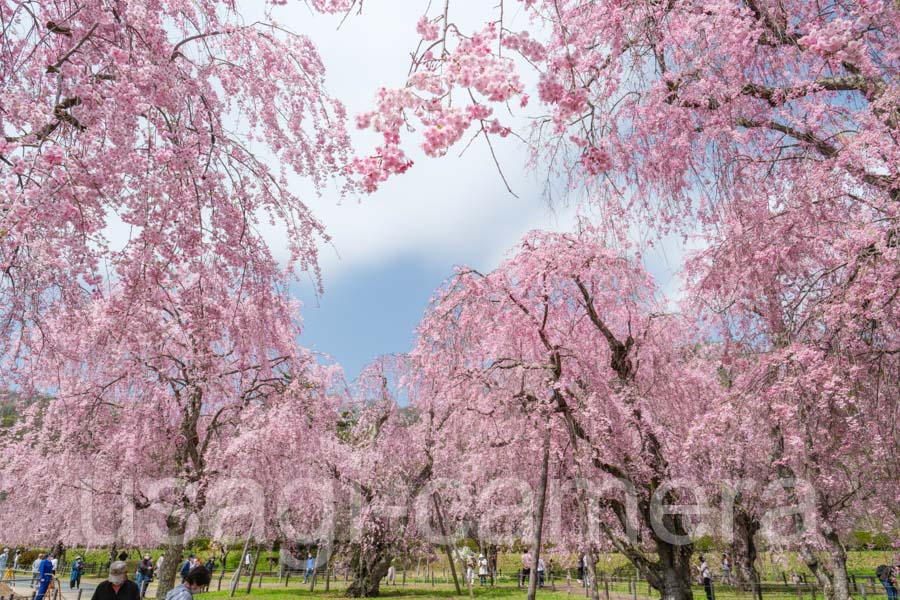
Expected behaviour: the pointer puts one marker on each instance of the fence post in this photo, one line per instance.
(78, 598)
(287, 577)
(634, 589)
(799, 591)
(404, 578)
(812, 591)
(862, 590)
(606, 588)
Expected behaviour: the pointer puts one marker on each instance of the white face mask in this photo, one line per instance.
(117, 579)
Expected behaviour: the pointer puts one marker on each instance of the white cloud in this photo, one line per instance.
(454, 209)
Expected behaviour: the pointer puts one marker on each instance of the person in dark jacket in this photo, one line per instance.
(187, 567)
(45, 575)
(117, 586)
(144, 573)
(77, 572)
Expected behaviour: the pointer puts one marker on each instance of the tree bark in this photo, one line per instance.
(744, 551)
(674, 571)
(173, 554)
(369, 567)
(440, 520)
(538, 530)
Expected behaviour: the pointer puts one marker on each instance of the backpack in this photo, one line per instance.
(883, 572)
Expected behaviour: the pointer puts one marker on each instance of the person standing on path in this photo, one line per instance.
(144, 573)
(186, 567)
(77, 572)
(45, 576)
(196, 581)
(157, 570)
(706, 577)
(482, 569)
(117, 586)
(526, 567)
(4, 559)
(36, 568)
(16, 559)
(310, 567)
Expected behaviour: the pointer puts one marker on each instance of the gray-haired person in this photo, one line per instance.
(117, 586)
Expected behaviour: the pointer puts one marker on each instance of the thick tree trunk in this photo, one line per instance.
(840, 580)
(673, 571)
(744, 552)
(538, 529)
(369, 567)
(173, 555)
(833, 577)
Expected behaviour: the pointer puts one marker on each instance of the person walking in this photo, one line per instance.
(541, 568)
(117, 585)
(526, 567)
(76, 573)
(310, 567)
(482, 569)
(16, 559)
(4, 559)
(392, 575)
(888, 577)
(36, 568)
(706, 577)
(726, 569)
(144, 574)
(195, 582)
(186, 567)
(45, 577)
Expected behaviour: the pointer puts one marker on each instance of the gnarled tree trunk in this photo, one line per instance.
(673, 571)
(369, 566)
(744, 551)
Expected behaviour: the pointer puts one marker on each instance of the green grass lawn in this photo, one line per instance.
(443, 591)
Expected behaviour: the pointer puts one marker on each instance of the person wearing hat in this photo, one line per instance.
(45, 576)
(77, 572)
(187, 566)
(117, 586)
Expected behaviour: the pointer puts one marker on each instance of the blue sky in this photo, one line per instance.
(392, 249)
